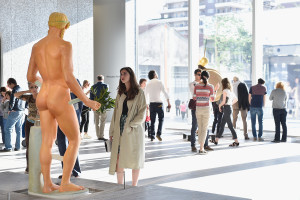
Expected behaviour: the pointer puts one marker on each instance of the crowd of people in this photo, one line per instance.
(141, 103)
(137, 105)
(235, 98)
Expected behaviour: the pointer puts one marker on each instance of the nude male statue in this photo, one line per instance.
(52, 58)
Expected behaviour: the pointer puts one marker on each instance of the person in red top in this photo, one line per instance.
(183, 110)
(143, 83)
(203, 94)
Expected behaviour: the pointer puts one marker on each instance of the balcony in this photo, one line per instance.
(173, 10)
(233, 4)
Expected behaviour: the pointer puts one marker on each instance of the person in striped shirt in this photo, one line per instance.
(203, 94)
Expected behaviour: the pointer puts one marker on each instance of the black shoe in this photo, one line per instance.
(15, 149)
(104, 139)
(72, 175)
(152, 138)
(5, 150)
(282, 140)
(23, 143)
(275, 141)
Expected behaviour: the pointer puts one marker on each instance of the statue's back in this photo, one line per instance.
(48, 57)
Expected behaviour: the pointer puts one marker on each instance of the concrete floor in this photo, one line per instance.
(254, 170)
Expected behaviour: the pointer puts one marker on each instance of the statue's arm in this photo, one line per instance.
(33, 69)
(67, 69)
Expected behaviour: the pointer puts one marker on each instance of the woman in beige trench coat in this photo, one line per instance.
(126, 131)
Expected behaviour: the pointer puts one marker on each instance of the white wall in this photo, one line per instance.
(109, 42)
(23, 23)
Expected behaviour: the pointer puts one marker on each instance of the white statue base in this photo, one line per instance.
(36, 182)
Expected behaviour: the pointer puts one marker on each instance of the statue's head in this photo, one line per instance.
(60, 21)
(202, 62)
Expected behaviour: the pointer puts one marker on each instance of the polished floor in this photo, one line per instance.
(254, 170)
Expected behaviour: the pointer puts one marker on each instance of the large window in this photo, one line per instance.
(163, 44)
(227, 40)
(281, 49)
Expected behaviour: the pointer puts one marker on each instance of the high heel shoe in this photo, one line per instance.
(213, 139)
(234, 144)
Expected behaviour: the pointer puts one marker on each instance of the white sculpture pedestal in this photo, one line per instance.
(36, 182)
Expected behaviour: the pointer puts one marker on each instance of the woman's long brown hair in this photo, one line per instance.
(226, 84)
(134, 86)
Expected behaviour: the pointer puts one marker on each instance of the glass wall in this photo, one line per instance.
(281, 49)
(226, 37)
(163, 44)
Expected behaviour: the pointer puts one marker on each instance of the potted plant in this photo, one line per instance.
(104, 98)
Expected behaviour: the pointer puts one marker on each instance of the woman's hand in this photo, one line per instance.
(217, 86)
(220, 108)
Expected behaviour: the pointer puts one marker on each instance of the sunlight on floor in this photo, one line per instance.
(273, 182)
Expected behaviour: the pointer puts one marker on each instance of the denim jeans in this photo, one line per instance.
(3, 133)
(62, 143)
(15, 120)
(259, 112)
(280, 118)
(2, 129)
(156, 108)
(62, 147)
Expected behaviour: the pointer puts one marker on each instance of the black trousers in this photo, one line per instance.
(28, 125)
(226, 119)
(217, 117)
(85, 119)
(156, 108)
(280, 118)
(147, 128)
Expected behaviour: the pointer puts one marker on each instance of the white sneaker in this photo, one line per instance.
(86, 136)
(202, 152)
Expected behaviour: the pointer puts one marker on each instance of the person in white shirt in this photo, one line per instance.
(153, 90)
(225, 106)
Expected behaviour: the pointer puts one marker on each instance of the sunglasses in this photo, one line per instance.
(34, 87)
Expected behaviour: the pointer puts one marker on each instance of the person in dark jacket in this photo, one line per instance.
(15, 118)
(99, 118)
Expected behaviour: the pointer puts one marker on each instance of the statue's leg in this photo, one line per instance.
(68, 123)
(48, 127)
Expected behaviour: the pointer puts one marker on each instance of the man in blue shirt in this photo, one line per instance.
(15, 118)
(257, 99)
(99, 118)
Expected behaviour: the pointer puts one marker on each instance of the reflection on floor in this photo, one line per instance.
(254, 170)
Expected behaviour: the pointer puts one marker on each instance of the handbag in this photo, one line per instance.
(192, 104)
(221, 99)
(108, 145)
